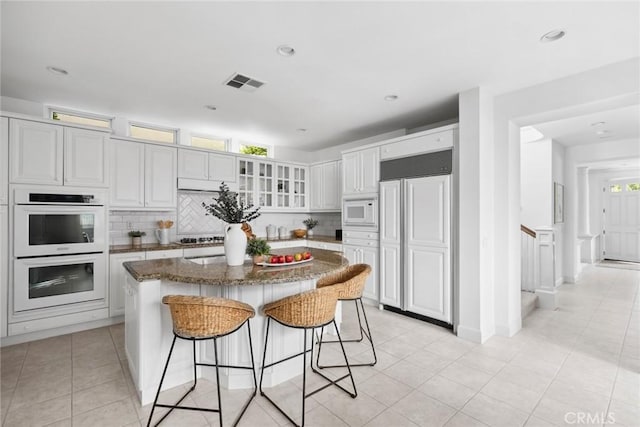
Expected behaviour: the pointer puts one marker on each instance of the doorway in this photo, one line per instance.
(621, 224)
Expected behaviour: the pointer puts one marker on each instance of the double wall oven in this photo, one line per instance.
(59, 248)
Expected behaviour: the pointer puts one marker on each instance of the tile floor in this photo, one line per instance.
(582, 360)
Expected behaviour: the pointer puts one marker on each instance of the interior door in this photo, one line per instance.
(428, 246)
(390, 240)
(621, 224)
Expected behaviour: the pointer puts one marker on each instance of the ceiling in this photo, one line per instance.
(608, 125)
(162, 62)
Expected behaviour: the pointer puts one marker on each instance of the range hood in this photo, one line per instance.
(203, 185)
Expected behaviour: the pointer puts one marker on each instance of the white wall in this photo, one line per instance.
(475, 251)
(21, 106)
(612, 86)
(536, 183)
(557, 175)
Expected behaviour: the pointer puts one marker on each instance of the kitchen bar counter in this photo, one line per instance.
(217, 272)
(148, 326)
(118, 249)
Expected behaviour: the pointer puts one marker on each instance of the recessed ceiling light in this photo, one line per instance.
(391, 97)
(57, 70)
(552, 36)
(211, 107)
(301, 130)
(285, 50)
(598, 123)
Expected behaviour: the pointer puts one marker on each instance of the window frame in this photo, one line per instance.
(174, 131)
(269, 149)
(227, 142)
(83, 114)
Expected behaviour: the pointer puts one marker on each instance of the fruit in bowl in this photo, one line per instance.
(298, 257)
(306, 255)
(288, 258)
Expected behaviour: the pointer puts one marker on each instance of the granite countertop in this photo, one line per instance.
(218, 273)
(119, 249)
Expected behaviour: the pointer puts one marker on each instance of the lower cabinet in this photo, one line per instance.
(365, 255)
(117, 279)
(117, 274)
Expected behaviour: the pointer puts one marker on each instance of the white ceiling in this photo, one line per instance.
(161, 62)
(619, 123)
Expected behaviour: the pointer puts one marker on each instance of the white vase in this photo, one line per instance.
(235, 244)
(309, 232)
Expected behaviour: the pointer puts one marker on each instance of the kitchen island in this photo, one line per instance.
(148, 326)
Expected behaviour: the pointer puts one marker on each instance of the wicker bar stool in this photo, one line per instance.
(350, 283)
(307, 311)
(198, 318)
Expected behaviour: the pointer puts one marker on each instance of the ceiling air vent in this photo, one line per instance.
(243, 82)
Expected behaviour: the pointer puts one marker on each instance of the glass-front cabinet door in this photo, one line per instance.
(283, 186)
(265, 184)
(246, 180)
(299, 187)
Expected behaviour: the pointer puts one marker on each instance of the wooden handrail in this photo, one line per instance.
(527, 230)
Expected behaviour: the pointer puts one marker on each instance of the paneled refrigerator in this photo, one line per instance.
(415, 235)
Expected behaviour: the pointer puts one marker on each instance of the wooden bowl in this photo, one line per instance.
(300, 232)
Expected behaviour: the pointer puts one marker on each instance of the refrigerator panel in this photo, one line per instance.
(427, 205)
(427, 283)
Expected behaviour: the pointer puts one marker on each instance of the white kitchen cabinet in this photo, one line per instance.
(272, 186)
(299, 187)
(85, 158)
(127, 174)
(291, 187)
(4, 268)
(160, 180)
(222, 167)
(117, 278)
(143, 175)
(326, 184)
(199, 164)
(193, 164)
(4, 160)
(337, 247)
(361, 171)
(418, 143)
(169, 253)
(35, 151)
(357, 254)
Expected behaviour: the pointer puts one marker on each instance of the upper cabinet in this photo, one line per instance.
(85, 158)
(222, 167)
(35, 152)
(326, 186)
(360, 171)
(143, 175)
(432, 140)
(43, 153)
(273, 186)
(160, 181)
(198, 164)
(4, 160)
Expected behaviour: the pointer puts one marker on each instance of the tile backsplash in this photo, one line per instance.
(121, 222)
(190, 220)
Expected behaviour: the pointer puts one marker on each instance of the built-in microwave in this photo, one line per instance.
(360, 212)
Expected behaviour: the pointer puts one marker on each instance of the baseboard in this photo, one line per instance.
(470, 334)
(509, 330)
(48, 333)
(547, 299)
